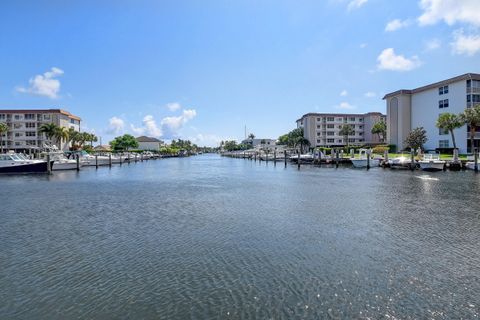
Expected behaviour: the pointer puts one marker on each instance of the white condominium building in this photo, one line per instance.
(323, 129)
(23, 127)
(420, 107)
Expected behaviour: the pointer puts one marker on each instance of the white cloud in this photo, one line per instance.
(149, 127)
(363, 45)
(209, 140)
(370, 94)
(450, 11)
(465, 44)
(396, 24)
(388, 60)
(432, 44)
(345, 106)
(115, 126)
(173, 124)
(344, 93)
(173, 106)
(355, 4)
(44, 85)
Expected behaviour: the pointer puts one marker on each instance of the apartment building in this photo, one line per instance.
(23, 127)
(420, 107)
(323, 129)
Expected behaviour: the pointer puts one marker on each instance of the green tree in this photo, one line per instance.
(416, 138)
(302, 142)
(49, 129)
(251, 136)
(346, 131)
(283, 139)
(124, 142)
(61, 134)
(471, 117)
(450, 122)
(3, 129)
(380, 129)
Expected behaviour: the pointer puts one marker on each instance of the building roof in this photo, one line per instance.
(68, 114)
(104, 147)
(314, 114)
(466, 76)
(148, 139)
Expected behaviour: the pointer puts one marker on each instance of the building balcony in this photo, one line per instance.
(473, 90)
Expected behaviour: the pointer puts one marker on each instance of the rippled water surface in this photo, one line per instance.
(218, 238)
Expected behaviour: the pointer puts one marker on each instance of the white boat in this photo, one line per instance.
(307, 157)
(92, 160)
(363, 160)
(272, 157)
(401, 162)
(17, 163)
(431, 162)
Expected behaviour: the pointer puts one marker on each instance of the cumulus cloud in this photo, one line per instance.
(344, 93)
(209, 140)
(115, 126)
(173, 106)
(370, 94)
(345, 106)
(388, 60)
(44, 85)
(149, 127)
(432, 44)
(175, 123)
(450, 11)
(355, 4)
(396, 24)
(465, 44)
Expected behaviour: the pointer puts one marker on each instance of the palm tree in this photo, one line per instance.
(346, 131)
(471, 117)
(3, 129)
(450, 122)
(93, 138)
(61, 133)
(251, 136)
(72, 136)
(302, 141)
(49, 129)
(380, 129)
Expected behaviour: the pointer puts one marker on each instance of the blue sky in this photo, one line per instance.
(202, 70)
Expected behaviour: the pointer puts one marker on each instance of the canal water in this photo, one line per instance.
(218, 238)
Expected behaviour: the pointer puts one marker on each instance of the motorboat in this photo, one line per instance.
(364, 159)
(307, 157)
(17, 163)
(94, 160)
(431, 162)
(400, 162)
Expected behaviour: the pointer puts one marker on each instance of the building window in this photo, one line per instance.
(17, 117)
(470, 98)
(330, 126)
(352, 119)
(330, 140)
(17, 143)
(443, 90)
(360, 127)
(360, 133)
(330, 119)
(31, 143)
(72, 121)
(318, 119)
(17, 126)
(351, 139)
(443, 103)
(18, 134)
(442, 131)
(2, 116)
(29, 116)
(360, 120)
(318, 134)
(339, 140)
(30, 125)
(443, 144)
(30, 134)
(330, 133)
(318, 141)
(318, 126)
(46, 117)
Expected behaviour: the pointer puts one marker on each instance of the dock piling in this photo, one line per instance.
(285, 157)
(110, 160)
(412, 159)
(368, 158)
(49, 167)
(78, 162)
(298, 159)
(96, 161)
(475, 154)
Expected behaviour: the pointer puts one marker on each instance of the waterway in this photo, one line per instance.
(218, 238)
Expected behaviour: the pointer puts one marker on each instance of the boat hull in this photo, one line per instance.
(432, 166)
(37, 167)
(71, 165)
(362, 163)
